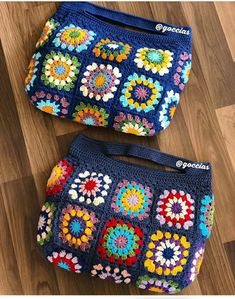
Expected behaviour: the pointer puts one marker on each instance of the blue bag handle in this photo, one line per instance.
(138, 151)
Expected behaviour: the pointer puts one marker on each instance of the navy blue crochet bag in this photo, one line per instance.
(90, 70)
(126, 222)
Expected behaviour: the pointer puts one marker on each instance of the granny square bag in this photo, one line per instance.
(90, 69)
(126, 222)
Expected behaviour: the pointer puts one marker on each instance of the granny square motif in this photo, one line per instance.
(126, 222)
(91, 70)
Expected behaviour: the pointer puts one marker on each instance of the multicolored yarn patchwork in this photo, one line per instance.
(207, 215)
(120, 242)
(132, 199)
(48, 29)
(141, 93)
(175, 208)
(60, 70)
(90, 115)
(133, 124)
(183, 69)
(157, 285)
(59, 175)
(128, 81)
(32, 71)
(91, 188)
(74, 38)
(167, 253)
(117, 275)
(126, 223)
(167, 109)
(154, 60)
(49, 103)
(77, 226)
(65, 260)
(100, 82)
(196, 263)
(112, 50)
(45, 223)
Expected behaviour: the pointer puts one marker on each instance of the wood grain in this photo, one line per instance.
(31, 142)
(226, 13)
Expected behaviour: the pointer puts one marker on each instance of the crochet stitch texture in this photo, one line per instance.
(96, 73)
(126, 222)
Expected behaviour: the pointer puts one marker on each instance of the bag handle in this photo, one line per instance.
(127, 19)
(137, 151)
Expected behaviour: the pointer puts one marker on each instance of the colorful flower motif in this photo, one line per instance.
(120, 242)
(196, 263)
(112, 50)
(58, 177)
(132, 199)
(45, 223)
(141, 93)
(65, 260)
(49, 27)
(90, 115)
(60, 70)
(100, 81)
(52, 104)
(90, 187)
(131, 124)
(168, 108)
(116, 274)
(77, 226)
(73, 37)
(182, 71)
(167, 253)
(175, 208)
(157, 285)
(154, 60)
(207, 215)
(32, 68)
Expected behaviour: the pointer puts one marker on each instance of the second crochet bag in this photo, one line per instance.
(90, 70)
(126, 222)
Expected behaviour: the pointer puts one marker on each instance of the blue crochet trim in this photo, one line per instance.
(130, 223)
(91, 70)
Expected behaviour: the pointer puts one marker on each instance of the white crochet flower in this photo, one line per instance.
(90, 187)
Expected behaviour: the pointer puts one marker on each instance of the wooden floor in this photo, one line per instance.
(31, 142)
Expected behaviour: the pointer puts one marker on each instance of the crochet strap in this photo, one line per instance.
(132, 150)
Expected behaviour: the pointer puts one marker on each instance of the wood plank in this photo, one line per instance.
(14, 162)
(10, 282)
(230, 250)
(22, 211)
(226, 13)
(37, 129)
(226, 118)
(215, 60)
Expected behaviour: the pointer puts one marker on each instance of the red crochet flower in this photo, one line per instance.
(120, 242)
(176, 208)
(58, 177)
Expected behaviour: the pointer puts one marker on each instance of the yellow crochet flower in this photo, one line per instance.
(141, 93)
(137, 196)
(167, 253)
(77, 226)
(74, 35)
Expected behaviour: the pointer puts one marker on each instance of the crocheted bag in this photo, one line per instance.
(89, 70)
(124, 221)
